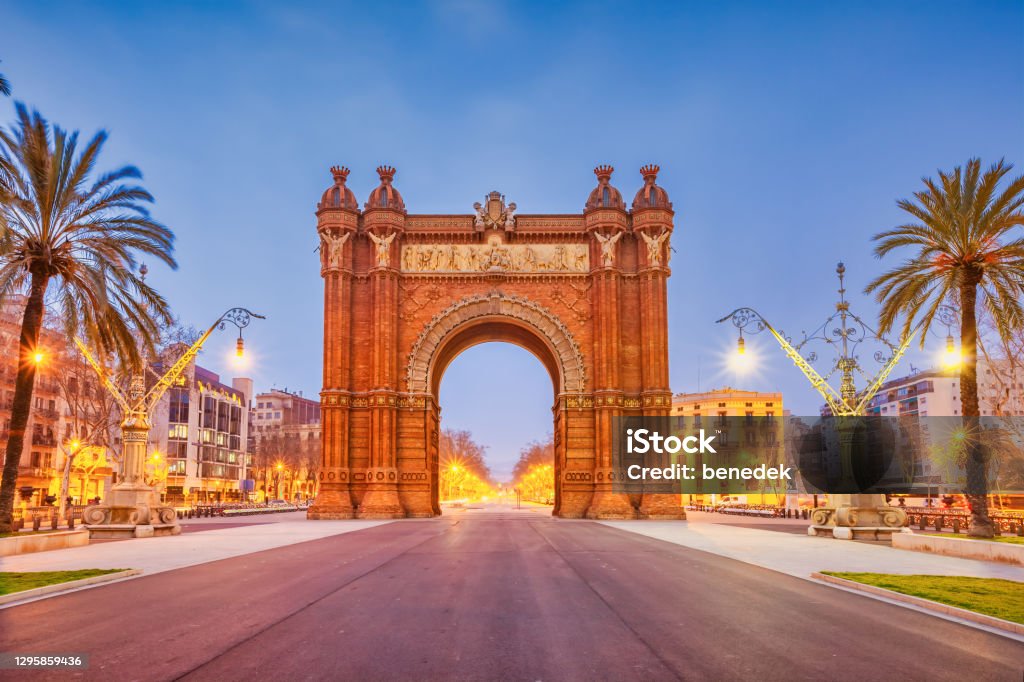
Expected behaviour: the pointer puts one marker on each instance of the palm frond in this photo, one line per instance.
(85, 232)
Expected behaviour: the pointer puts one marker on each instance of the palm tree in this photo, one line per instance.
(75, 239)
(5, 85)
(966, 252)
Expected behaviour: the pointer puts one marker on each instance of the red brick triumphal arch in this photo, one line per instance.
(404, 294)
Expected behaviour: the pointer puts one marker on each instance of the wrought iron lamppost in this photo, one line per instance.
(132, 507)
(851, 515)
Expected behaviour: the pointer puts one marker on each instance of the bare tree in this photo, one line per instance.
(458, 448)
(536, 453)
(91, 420)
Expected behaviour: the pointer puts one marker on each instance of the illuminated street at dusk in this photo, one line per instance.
(495, 593)
(494, 340)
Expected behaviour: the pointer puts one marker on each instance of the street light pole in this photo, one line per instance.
(851, 514)
(132, 507)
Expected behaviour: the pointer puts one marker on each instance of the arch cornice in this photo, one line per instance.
(546, 325)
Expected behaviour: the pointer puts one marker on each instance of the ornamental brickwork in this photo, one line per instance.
(405, 294)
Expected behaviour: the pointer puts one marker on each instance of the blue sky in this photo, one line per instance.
(785, 132)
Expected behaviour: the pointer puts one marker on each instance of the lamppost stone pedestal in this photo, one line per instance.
(132, 508)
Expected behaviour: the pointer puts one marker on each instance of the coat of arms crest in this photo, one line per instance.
(494, 213)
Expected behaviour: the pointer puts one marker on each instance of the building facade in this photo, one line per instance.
(936, 392)
(727, 402)
(286, 447)
(63, 396)
(199, 439)
(740, 417)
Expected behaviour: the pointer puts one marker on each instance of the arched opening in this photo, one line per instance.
(480, 384)
(496, 435)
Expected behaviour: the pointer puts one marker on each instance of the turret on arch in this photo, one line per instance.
(405, 294)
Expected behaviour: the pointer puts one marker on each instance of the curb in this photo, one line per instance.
(56, 588)
(946, 609)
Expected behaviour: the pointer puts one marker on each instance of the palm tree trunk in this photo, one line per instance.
(31, 325)
(977, 470)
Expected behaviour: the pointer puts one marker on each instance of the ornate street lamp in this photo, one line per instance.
(845, 332)
(133, 508)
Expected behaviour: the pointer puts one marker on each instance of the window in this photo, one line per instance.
(209, 413)
(721, 404)
(177, 432)
(179, 406)
(769, 404)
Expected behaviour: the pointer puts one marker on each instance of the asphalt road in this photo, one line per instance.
(494, 597)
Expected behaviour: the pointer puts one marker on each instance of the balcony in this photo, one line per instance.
(45, 441)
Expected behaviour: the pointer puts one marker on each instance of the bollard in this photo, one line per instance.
(71, 522)
(921, 521)
(1020, 529)
(956, 525)
(53, 521)
(938, 523)
(37, 521)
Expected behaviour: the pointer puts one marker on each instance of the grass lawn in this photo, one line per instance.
(1011, 539)
(990, 596)
(16, 582)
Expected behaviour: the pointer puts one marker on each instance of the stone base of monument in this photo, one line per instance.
(130, 511)
(381, 499)
(334, 502)
(610, 505)
(660, 506)
(857, 523)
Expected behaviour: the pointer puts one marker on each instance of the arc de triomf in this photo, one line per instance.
(404, 294)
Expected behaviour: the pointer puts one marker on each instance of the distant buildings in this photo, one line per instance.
(210, 441)
(199, 440)
(285, 445)
(63, 386)
(727, 402)
(719, 409)
(936, 392)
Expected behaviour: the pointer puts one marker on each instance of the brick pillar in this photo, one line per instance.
(653, 228)
(337, 222)
(607, 225)
(381, 499)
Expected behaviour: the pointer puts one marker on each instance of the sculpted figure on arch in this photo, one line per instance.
(654, 246)
(608, 248)
(331, 248)
(383, 248)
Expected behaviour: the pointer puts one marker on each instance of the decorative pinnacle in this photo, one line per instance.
(604, 173)
(340, 174)
(386, 173)
(650, 172)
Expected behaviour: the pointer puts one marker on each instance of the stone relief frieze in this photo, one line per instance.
(495, 257)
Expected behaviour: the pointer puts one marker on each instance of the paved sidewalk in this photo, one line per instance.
(154, 555)
(801, 555)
